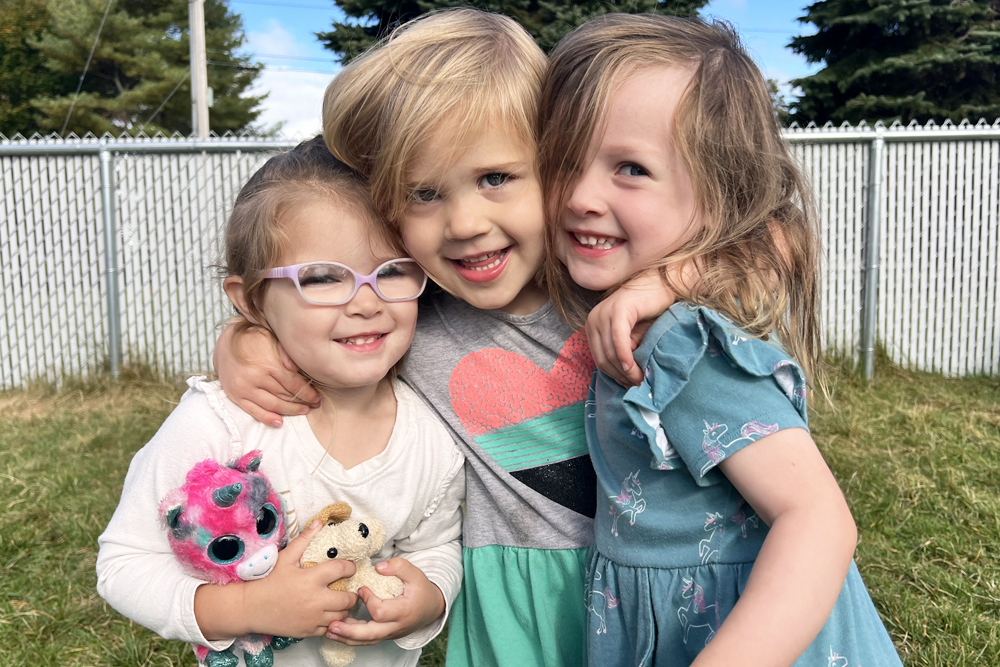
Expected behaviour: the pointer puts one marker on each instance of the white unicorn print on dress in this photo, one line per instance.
(627, 502)
(696, 613)
(713, 446)
(598, 602)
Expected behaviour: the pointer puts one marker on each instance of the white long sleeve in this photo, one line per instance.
(415, 487)
(137, 573)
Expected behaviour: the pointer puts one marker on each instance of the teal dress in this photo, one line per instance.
(674, 540)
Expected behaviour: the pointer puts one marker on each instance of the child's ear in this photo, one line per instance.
(233, 285)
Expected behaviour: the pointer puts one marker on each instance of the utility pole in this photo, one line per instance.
(199, 69)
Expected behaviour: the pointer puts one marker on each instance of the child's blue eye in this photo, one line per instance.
(494, 180)
(423, 195)
(632, 170)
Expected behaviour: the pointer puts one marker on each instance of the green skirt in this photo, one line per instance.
(519, 608)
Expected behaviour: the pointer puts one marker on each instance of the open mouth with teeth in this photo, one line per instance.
(484, 267)
(591, 242)
(368, 339)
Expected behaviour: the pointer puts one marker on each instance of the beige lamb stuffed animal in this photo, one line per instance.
(355, 541)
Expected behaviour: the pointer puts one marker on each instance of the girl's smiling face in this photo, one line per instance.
(634, 203)
(347, 346)
(476, 225)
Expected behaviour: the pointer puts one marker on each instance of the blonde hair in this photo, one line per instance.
(470, 69)
(255, 237)
(757, 252)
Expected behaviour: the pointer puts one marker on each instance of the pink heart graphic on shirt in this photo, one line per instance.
(494, 388)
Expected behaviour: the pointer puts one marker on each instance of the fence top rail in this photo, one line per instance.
(897, 132)
(55, 146)
(90, 145)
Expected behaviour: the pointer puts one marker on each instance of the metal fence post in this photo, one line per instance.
(108, 192)
(873, 232)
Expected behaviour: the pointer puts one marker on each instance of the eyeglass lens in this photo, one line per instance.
(333, 284)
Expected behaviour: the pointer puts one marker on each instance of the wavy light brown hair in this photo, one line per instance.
(463, 70)
(757, 252)
(255, 235)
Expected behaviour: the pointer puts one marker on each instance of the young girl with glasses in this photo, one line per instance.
(308, 261)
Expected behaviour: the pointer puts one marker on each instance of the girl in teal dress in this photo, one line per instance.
(721, 537)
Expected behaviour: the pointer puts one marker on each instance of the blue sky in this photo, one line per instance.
(280, 36)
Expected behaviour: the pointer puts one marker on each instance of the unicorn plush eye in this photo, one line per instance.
(267, 520)
(226, 549)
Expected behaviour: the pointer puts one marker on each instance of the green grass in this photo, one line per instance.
(917, 455)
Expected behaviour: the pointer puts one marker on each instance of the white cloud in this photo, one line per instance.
(295, 97)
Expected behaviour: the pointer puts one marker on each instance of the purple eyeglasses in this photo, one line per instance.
(334, 284)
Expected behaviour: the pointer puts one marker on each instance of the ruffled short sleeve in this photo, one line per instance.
(709, 390)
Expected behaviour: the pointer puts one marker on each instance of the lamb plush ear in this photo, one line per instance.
(335, 513)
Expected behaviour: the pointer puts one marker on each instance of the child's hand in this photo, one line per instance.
(289, 602)
(262, 380)
(616, 325)
(420, 604)
(296, 602)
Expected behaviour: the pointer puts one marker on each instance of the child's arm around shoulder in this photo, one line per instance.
(259, 377)
(428, 560)
(616, 325)
(805, 557)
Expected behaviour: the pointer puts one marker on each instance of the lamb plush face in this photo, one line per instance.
(225, 523)
(343, 538)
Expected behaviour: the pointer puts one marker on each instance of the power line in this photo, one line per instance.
(165, 100)
(275, 55)
(280, 4)
(261, 68)
(93, 48)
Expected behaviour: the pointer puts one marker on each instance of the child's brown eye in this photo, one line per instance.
(331, 552)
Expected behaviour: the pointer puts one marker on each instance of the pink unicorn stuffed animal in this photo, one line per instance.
(225, 524)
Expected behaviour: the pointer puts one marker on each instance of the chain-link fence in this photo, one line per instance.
(159, 206)
(914, 211)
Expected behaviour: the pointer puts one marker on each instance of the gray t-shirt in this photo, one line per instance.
(512, 389)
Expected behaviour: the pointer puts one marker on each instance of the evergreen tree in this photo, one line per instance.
(546, 20)
(137, 79)
(901, 59)
(22, 74)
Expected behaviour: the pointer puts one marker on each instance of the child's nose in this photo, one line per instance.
(467, 220)
(586, 199)
(365, 302)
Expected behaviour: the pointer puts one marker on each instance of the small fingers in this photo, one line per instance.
(397, 567)
(282, 404)
(353, 632)
(335, 569)
(382, 611)
(298, 545)
(621, 341)
(295, 388)
(262, 415)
